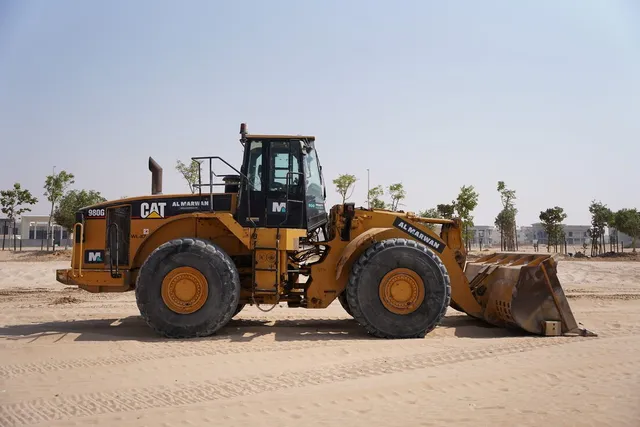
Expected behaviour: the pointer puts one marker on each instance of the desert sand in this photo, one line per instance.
(70, 358)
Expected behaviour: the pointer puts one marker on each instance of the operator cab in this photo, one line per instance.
(283, 186)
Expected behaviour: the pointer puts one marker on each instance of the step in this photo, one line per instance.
(272, 291)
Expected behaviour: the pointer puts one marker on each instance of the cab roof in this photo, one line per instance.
(255, 137)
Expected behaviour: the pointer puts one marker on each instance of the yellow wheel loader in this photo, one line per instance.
(195, 260)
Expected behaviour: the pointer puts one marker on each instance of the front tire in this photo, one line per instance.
(238, 309)
(345, 303)
(456, 306)
(187, 288)
(398, 288)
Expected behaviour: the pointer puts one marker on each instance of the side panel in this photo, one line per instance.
(144, 235)
(171, 229)
(207, 227)
(147, 215)
(93, 244)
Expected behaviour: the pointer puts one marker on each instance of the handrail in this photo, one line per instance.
(73, 252)
(288, 179)
(211, 184)
(210, 158)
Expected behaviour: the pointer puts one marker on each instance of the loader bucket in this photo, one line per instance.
(520, 290)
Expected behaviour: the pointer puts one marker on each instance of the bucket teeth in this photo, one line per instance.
(519, 290)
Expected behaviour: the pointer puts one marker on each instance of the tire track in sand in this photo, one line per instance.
(210, 348)
(485, 392)
(170, 350)
(59, 408)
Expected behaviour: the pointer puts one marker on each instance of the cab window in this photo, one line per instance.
(284, 163)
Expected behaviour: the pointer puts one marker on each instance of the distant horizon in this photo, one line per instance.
(518, 225)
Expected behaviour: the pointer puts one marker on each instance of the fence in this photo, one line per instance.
(11, 243)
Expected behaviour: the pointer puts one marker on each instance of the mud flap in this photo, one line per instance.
(519, 290)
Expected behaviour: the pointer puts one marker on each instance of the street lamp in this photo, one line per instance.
(368, 201)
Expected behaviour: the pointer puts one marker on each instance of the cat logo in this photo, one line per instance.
(279, 207)
(152, 210)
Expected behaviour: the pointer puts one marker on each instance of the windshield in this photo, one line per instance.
(315, 198)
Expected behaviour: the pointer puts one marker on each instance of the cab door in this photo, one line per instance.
(285, 186)
(273, 193)
(251, 201)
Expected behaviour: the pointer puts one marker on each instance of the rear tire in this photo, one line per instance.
(412, 266)
(217, 292)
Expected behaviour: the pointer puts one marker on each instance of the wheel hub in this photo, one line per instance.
(402, 291)
(184, 290)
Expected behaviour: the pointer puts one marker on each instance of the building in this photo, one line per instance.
(626, 241)
(31, 230)
(525, 235)
(574, 234)
(487, 234)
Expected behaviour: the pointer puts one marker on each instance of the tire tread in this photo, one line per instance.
(186, 245)
(365, 259)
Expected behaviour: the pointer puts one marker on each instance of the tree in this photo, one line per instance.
(397, 193)
(343, 183)
(190, 173)
(55, 185)
(446, 210)
(552, 223)
(430, 213)
(628, 221)
(601, 217)
(375, 195)
(465, 204)
(15, 202)
(506, 220)
(73, 201)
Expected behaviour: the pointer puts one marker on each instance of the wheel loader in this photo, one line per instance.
(196, 260)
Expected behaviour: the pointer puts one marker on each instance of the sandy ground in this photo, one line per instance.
(70, 358)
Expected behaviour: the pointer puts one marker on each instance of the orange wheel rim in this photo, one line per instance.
(185, 290)
(401, 291)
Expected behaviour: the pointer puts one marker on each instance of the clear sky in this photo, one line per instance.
(544, 95)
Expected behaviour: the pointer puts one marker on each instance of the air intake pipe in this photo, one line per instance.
(156, 177)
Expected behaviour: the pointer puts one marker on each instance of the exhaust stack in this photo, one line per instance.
(156, 176)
